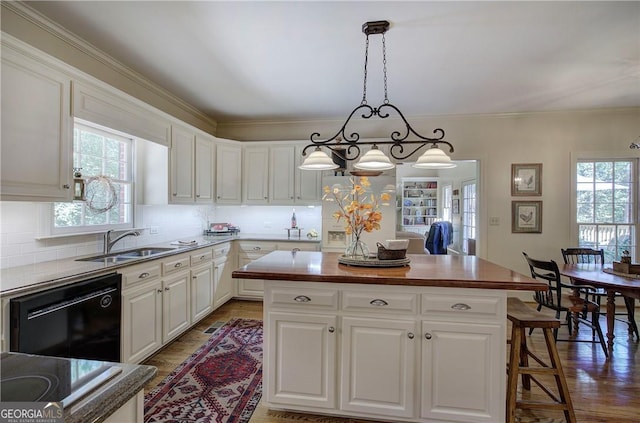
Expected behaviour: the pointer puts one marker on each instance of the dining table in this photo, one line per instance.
(598, 276)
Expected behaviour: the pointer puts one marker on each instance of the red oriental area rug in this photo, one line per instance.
(221, 382)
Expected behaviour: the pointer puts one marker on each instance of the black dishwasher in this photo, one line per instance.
(80, 320)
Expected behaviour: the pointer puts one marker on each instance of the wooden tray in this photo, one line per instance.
(373, 262)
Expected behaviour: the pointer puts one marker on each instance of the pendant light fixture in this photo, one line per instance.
(347, 143)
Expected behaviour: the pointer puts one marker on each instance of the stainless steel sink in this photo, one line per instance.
(121, 256)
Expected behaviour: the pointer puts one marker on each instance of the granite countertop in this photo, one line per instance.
(31, 278)
(99, 403)
(423, 270)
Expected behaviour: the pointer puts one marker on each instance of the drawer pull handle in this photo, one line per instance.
(427, 335)
(295, 250)
(461, 306)
(331, 329)
(202, 257)
(143, 275)
(378, 302)
(302, 299)
(410, 335)
(177, 265)
(256, 248)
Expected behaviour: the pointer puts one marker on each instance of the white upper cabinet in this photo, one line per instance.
(255, 178)
(205, 171)
(228, 173)
(308, 183)
(190, 167)
(36, 129)
(281, 174)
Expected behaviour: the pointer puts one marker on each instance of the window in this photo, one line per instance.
(99, 152)
(468, 213)
(446, 203)
(606, 206)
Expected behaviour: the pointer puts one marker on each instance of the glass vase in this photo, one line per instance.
(357, 249)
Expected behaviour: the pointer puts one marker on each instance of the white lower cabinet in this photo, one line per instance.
(461, 371)
(416, 354)
(201, 291)
(302, 359)
(378, 366)
(175, 305)
(222, 281)
(141, 321)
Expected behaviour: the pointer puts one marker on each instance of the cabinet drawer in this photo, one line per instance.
(379, 302)
(302, 246)
(140, 273)
(256, 247)
(201, 256)
(174, 264)
(307, 298)
(221, 250)
(461, 305)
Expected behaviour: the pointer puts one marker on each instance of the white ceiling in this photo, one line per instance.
(262, 60)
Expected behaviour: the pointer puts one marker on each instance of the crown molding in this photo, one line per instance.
(75, 42)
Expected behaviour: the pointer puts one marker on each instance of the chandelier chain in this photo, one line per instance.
(384, 69)
(366, 60)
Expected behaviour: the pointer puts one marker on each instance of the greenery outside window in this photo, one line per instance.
(99, 151)
(606, 206)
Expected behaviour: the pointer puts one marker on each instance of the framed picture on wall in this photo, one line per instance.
(455, 206)
(526, 179)
(526, 217)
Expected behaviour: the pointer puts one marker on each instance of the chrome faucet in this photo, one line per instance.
(108, 242)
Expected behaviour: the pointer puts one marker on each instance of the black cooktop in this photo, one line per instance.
(25, 377)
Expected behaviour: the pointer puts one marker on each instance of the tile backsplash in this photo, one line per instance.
(19, 228)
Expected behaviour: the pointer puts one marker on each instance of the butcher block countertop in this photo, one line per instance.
(423, 270)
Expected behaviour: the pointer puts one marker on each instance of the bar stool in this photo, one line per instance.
(523, 317)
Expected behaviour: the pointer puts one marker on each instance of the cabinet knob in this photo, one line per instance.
(218, 197)
(143, 275)
(66, 186)
(266, 198)
(302, 299)
(331, 329)
(159, 291)
(194, 277)
(410, 335)
(427, 335)
(197, 195)
(461, 306)
(166, 288)
(378, 302)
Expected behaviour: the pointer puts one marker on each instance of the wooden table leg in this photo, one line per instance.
(611, 316)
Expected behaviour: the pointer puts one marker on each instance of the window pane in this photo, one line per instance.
(68, 214)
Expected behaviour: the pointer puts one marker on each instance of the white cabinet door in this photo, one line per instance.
(141, 322)
(181, 163)
(249, 287)
(281, 175)
(461, 372)
(308, 182)
(204, 161)
(228, 173)
(223, 283)
(201, 291)
(301, 353)
(378, 366)
(255, 176)
(175, 305)
(36, 130)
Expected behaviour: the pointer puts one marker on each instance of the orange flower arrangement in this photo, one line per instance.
(358, 206)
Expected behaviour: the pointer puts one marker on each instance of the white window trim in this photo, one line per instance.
(600, 155)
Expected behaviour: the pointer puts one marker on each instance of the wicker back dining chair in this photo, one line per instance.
(590, 255)
(562, 299)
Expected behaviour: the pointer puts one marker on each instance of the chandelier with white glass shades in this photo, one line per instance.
(402, 143)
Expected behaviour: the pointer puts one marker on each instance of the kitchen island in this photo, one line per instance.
(420, 343)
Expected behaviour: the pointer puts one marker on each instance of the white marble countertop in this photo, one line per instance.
(36, 277)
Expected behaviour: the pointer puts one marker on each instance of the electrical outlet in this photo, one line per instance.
(153, 230)
(494, 221)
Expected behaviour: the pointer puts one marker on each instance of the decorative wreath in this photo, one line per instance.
(100, 194)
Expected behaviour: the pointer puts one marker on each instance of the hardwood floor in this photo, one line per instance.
(602, 390)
